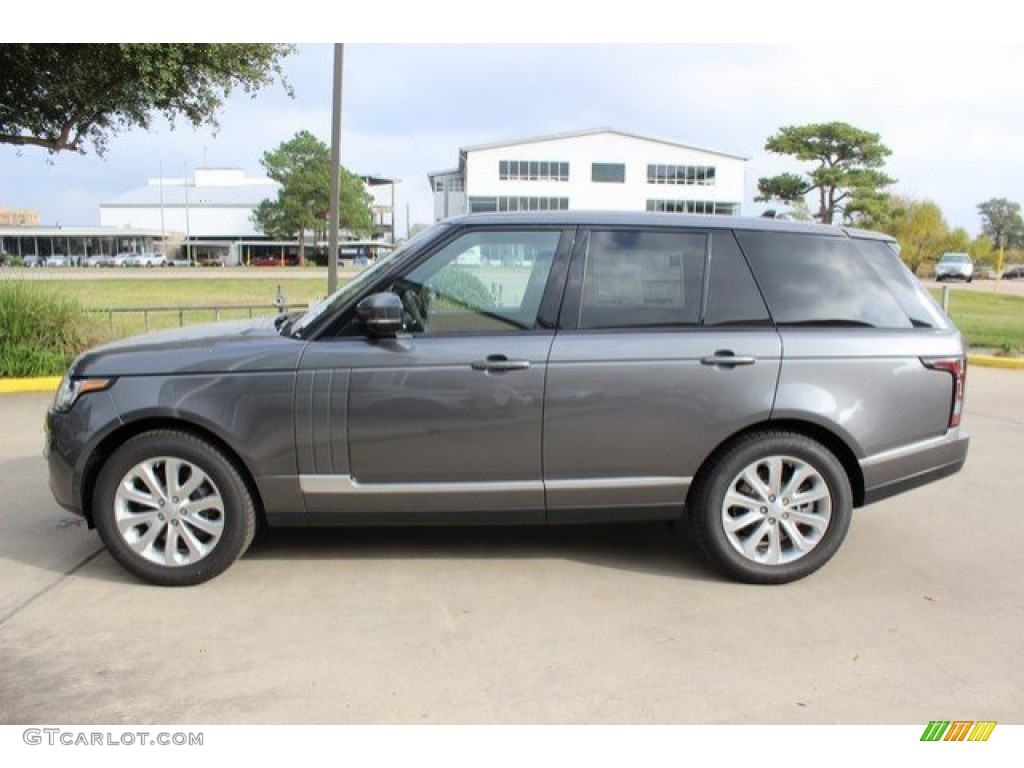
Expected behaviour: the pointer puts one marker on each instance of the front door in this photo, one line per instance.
(447, 416)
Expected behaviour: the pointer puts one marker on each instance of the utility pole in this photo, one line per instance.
(163, 228)
(332, 224)
(188, 231)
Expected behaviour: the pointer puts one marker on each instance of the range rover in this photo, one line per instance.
(756, 378)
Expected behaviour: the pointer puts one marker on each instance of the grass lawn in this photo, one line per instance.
(180, 292)
(988, 319)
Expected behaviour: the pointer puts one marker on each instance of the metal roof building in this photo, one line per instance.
(216, 204)
(596, 169)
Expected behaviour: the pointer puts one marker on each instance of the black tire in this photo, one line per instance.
(160, 542)
(774, 539)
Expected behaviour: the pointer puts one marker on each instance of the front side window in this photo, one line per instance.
(484, 281)
(642, 279)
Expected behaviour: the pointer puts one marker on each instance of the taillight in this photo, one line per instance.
(957, 367)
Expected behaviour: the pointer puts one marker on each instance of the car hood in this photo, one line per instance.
(242, 345)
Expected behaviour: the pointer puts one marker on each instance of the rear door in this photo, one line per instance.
(665, 348)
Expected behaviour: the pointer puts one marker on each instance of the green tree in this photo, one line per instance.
(846, 174)
(983, 251)
(959, 241)
(302, 166)
(1001, 221)
(66, 97)
(922, 232)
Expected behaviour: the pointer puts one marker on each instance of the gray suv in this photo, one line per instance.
(757, 378)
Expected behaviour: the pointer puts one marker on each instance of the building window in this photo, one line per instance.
(456, 184)
(608, 172)
(533, 203)
(694, 206)
(483, 204)
(693, 175)
(533, 170)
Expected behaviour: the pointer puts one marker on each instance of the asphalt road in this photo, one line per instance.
(920, 616)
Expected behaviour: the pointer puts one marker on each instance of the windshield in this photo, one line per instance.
(356, 284)
(955, 258)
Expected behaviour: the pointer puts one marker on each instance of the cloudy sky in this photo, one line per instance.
(951, 114)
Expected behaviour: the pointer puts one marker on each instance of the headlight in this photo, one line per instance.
(71, 389)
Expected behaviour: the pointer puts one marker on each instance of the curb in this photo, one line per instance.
(988, 361)
(41, 384)
(50, 383)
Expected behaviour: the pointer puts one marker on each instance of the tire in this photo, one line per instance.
(745, 520)
(143, 518)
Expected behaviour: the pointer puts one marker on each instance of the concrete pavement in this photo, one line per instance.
(918, 617)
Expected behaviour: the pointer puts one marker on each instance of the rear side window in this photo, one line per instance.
(912, 297)
(642, 279)
(818, 280)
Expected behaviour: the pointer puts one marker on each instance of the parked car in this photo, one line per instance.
(178, 263)
(151, 260)
(57, 260)
(956, 266)
(126, 259)
(1014, 273)
(99, 260)
(32, 261)
(757, 378)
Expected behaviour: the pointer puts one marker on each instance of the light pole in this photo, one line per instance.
(332, 224)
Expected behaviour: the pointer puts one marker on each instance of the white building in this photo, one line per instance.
(600, 169)
(217, 204)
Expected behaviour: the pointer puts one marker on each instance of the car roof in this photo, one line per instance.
(668, 220)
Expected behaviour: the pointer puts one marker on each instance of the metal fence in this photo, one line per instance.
(215, 312)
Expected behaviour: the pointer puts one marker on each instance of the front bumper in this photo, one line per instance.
(71, 440)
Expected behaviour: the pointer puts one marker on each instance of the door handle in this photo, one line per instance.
(726, 358)
(499, 364)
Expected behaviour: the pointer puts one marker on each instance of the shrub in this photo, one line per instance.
(40, 331)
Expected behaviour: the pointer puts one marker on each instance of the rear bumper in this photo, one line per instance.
(892, 472)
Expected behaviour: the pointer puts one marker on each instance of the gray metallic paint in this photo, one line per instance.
(580, 433)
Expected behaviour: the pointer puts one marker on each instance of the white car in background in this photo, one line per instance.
(150, 260)
(954, 266)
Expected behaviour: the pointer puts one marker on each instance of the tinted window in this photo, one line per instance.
(818, 280)
(733, 298)
(913, 299)
(637, 279)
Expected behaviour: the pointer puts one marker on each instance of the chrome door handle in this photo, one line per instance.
(727, 359)
(499, 364)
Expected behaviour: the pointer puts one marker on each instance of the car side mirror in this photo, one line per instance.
(380, 314)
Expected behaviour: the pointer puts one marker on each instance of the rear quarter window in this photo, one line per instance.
(820, 280)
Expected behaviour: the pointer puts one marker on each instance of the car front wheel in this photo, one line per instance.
(172, 508)
(772, 508)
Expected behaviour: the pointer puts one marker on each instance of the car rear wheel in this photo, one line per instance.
(173, 509)
(772, 508)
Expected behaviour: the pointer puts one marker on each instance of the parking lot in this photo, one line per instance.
(919, 616)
